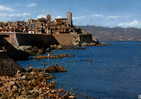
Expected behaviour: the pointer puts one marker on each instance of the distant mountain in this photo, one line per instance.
(117, 33)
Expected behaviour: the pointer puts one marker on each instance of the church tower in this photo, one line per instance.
(69, 18)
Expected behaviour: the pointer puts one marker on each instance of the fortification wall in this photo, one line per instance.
(68, 39)
(64, 39)
(39, 40)
(87, 38)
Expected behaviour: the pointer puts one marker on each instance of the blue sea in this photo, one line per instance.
(106, 72)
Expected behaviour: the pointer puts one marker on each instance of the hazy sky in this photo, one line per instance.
(125, 13)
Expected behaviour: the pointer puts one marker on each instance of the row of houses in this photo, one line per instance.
(41, 25)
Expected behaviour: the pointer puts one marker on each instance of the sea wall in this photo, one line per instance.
(72, 39)
(64, 39)
(45, 41)
(39, 40)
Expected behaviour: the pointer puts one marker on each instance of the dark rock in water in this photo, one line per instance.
(56, 68)
(33, 50)
(8, 67)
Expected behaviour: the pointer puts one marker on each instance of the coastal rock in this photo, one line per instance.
(33, 50)
(38, 87)
(72, 97)
(56, 68)
(9, 67)
(53, 56)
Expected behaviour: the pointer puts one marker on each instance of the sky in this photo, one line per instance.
(108, 13)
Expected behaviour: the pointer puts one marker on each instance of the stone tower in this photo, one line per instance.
(69, 17)
(48, 18)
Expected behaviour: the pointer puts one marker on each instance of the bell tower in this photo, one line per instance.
(69, 18)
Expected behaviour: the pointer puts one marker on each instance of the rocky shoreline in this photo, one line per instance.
(20, 83)
(31, 85)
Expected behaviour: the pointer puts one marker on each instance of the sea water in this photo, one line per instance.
(106, 72)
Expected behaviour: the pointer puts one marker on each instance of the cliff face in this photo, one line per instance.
(117, 33)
